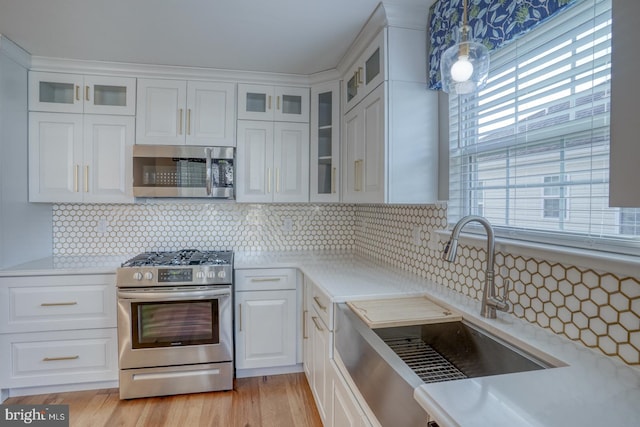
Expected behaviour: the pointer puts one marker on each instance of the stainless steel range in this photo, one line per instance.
(175, 323)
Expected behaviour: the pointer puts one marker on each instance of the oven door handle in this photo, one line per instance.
(172, 294)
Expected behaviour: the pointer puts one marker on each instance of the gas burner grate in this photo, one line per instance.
(184, 257)
(427, 363)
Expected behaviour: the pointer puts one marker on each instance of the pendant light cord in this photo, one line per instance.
(464, 48)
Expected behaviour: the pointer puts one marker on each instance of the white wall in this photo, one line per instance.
(25, 228)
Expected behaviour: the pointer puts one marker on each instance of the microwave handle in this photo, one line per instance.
(209, 167)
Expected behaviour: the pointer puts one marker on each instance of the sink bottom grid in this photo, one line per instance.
(427, 363)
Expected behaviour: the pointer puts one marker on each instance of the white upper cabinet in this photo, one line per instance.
(364, 132)
(390, 128)
(75, 93)
(80, 158)
(366, 73)
(178, 112)
(325, 143)
(625, 92)
(272, 162)
(273, 103)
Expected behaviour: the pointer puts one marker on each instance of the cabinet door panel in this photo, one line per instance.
(266, 335)
(254, 159)
(374, 143)
(110, 95)
(353, 155)
(161, 112)
(291, 104)
(211, 114)
(291, 162)
(55, 147)
(55, 92)
(255, 102)
(107, 158)
(320, 370)
(325, 142)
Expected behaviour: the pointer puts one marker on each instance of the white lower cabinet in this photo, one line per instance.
(346, 411)
(266, 326)
(337, 404)
(58, 357)
(318, 346)
(57, 330)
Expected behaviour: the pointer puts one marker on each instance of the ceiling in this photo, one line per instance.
(281, 36)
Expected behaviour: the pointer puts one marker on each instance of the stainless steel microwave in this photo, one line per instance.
(183, 171)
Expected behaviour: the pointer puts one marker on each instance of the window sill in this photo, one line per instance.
(619, 264)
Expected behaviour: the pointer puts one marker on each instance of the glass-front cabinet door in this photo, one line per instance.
(325, 144)
(366, 73)
(273, 103)
(74, 93)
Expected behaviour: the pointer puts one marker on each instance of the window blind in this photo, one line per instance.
(530, 151)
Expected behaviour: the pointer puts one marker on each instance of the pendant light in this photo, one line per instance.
(464, 67)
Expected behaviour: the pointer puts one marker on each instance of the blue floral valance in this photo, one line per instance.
(493, 23)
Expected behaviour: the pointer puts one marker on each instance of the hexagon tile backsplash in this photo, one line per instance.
(81, 229)
(598, 309)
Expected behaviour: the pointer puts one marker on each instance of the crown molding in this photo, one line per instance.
(15, 52)
(388, 13)
(40, 63)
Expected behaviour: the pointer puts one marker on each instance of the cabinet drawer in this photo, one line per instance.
(46, 358)
(322, 305)
(30, 304)
(265, 279)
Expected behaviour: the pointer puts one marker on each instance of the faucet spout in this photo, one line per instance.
(490, 302)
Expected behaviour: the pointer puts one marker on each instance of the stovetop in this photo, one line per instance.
(185, 257)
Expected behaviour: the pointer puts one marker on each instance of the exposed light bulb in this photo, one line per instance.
(462, 69)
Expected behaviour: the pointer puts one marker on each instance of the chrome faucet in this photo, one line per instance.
(490, 302)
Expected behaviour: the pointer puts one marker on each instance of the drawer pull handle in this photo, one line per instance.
(55, 304)
(240, 316)
(265, 279)
(55, 359)
(322, 307)
(315, 322)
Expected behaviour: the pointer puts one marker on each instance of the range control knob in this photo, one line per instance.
(222, 274)
(148, 275)
(137, 275)
(211, 275)
(200, 275)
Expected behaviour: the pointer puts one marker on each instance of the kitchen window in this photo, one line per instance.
(542, 118)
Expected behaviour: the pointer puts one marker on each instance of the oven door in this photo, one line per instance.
(174, 326)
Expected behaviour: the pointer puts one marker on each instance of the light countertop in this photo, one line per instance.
(60, 265)
(587, 388)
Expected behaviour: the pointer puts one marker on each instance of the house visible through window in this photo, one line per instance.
(543, 118)
(554, 198)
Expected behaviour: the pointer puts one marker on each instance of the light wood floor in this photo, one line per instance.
(278, 401)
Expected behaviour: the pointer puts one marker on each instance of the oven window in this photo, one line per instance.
(175, 323)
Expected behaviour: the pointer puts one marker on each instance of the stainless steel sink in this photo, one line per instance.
(455, 350)
(388, 364)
